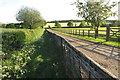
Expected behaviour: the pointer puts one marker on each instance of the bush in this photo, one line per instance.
(82, 24)
(12, 40)
(70, 24)
(18, 48)
(10, 25)
(4, 25)
(57, 24)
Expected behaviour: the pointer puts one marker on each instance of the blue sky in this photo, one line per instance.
(49, 9)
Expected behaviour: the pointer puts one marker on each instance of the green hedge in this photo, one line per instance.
(14, 61)
(12, 40)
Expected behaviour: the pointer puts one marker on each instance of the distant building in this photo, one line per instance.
(119, 10)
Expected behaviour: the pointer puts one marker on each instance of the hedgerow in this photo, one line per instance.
(16, 51)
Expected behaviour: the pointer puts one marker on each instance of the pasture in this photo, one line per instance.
(62, 24)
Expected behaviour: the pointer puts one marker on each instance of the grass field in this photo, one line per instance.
(62, 24)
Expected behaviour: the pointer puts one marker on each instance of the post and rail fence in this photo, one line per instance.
(108, 33)
(77, 64)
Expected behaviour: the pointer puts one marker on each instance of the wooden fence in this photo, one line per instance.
(105, 34)
(79, 65)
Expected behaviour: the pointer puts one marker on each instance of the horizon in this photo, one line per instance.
(50, 10)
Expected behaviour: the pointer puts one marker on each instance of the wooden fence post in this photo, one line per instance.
(79, 32)
(107, 33)
(83, 32)
(96, 33)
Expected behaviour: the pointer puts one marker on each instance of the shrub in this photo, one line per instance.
(12, 40)
(57, 24)
(11, 25)
(4, 25)
(82, 24)
(70, 24)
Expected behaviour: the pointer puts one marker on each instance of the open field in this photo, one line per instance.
(62, 24)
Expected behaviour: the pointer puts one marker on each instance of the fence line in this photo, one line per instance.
(77, 64)
(109, 32)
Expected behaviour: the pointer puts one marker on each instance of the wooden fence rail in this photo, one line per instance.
(79, 65)
(109, 32)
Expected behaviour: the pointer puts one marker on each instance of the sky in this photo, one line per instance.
(49, 9)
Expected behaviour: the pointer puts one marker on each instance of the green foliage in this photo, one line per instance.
(70, 24)
(13, 59)
(10, 25)
(57, 24)
(4, 25)
(82, 24)
(18, 25)
(12, 40)
(95, 12)
(30, 17)
(116, 23)
(13, 25)
(35, 60)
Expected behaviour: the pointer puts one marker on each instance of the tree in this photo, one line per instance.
(18, 25)
(30, 17)
(10, 25)
(57, 24)
(70, 24)
(95, 12)
(116, 23)
(4, 25)
(82, 24)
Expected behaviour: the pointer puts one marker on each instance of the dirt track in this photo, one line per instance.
(106, 56)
